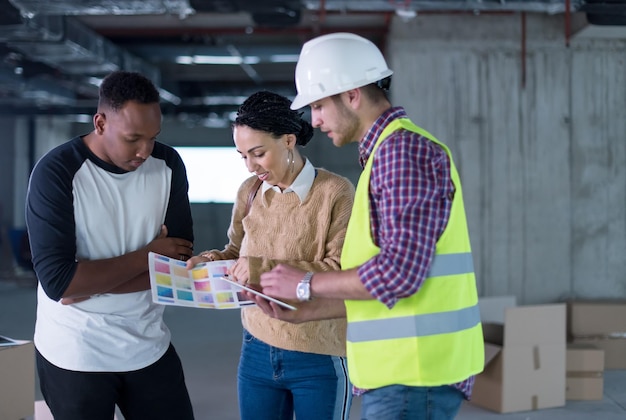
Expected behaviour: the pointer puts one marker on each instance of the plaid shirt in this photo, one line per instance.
(410, 190)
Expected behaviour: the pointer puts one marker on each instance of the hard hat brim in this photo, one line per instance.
(301, 100)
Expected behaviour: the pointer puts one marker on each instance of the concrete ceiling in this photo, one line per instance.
(54, 52)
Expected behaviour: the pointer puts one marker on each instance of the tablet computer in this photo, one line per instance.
(256, 292)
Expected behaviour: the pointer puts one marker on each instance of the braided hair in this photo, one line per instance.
(271, 112)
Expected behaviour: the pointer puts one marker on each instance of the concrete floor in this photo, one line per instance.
(208, 343)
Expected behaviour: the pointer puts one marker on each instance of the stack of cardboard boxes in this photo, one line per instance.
(585, 373)
(601, 324)
(596, 332)
(537, 356)
(524, 356)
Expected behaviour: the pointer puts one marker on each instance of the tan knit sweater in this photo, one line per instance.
(308, 235)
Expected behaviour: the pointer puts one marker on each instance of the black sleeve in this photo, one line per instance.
(178, 217)
(50, 219)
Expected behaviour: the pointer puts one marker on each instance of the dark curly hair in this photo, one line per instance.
(119, 87)
(271, 112)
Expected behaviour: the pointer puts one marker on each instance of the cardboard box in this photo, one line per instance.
(17, 381)
(601, 324)
(585, 373)
(524, 356)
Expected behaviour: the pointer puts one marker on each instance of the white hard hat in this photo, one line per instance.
(334, 63)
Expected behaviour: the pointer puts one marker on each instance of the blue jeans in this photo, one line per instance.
(399, 402)
(274, 383)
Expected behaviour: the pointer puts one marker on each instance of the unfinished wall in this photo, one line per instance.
(540, 144)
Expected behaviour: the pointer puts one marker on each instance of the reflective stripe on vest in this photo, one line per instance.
(414, 326)
(426, 324)
(451, 264)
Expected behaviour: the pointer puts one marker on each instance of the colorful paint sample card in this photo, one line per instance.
(200, 287)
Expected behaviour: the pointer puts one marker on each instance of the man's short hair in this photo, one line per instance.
(119, 87)
(375, 93)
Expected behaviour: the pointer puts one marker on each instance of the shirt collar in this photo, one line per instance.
(366, 145)
(301, 185)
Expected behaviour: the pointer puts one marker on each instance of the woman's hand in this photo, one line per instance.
(202, 257)
(240, 271)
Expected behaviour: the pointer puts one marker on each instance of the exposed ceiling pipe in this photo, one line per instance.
(322, 12)
(103, 7)
(568, 27)
(182, 8)
(65, 44)
(539, 6)
(243, 30)
(40, 90)
(523, 48)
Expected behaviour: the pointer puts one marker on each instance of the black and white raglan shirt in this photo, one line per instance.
(79, 207)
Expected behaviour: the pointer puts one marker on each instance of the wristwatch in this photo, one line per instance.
(303, 291)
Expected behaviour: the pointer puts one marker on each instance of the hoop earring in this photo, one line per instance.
(290, 161)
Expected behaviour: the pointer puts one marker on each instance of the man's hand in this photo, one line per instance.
(172, 247)
(281, 282)
(314, 310)
(274, 310)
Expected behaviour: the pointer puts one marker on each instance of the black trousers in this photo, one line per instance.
(156, 392)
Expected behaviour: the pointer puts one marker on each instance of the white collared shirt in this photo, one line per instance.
(301, 185)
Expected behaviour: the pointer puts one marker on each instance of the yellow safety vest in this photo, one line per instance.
(433, 337)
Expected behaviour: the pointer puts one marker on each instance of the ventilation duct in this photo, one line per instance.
(102, 7)
(66, 45)
(477, 6)
(69, 46)
(42, 28)
(40, 91)
(79, 54)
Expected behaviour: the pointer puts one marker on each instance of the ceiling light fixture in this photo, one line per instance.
(284, 58)
(169, 97)
(96, 81)
(223, 100)
(217, 59)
